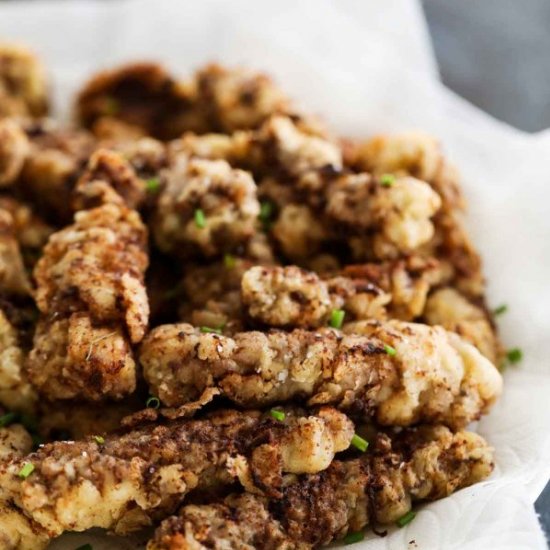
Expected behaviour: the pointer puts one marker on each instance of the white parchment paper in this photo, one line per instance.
(366, 66)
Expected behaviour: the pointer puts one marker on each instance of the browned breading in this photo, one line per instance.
(14, 279)
(291, 297)
(142, 95)
(397, 373)
(421, 464)
(452, 310)
(52, 167)
(113, 169)
(71, 358)
(14, 148)
(125, 481)
(23, 87)
(225, 199)
(16, 393)
(97, 265)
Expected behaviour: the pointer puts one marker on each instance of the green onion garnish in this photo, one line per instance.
(359, 443)
(500, 310)
(7, 419)
(266, 211)
(99, 439)
(26, 470)
(389, 350)
(229, 261)
(387, 180)
(514, 355)
(200, 219)
(152, 185)
(407, 518)
(30, 422)
(337, 318)
(277, 415)
(85, 547)
(211, 330)
(352, 538)
(153, 402)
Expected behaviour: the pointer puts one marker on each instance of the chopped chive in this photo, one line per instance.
(352, 538)
(152, 185)
(387, 180)
(7, 419)
(153, 402)
(200, 218)
(266, 211)
(500, 310)
(85, 547)
(359, 443)
(389, 350)
(211, 330)
(99, 439)
(337, 318)
(277, 415)
(229, 261)
(26, 470)
(514, 356)
(407, 518)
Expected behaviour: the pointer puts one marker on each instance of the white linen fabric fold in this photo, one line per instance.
(366, 66)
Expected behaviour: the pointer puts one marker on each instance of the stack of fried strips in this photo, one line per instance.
(221, 321)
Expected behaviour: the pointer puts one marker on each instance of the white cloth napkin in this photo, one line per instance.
(367, 67)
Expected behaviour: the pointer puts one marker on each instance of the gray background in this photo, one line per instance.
(496, 54)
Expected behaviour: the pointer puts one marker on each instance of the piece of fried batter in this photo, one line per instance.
(397, 373)
(421, 156)
(91, 294)
(206, 207)
(420, 464)
(124, 482)
(23, 86)
(96, 265)
(143, 96)
(292, 297)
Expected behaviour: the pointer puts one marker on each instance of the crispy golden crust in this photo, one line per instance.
(225, 199)
(125, 481)
(426, 463)
(23, 87)
(97, 265)
(428, 374)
